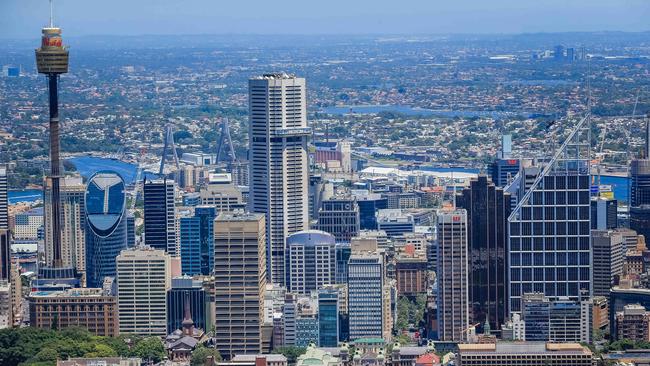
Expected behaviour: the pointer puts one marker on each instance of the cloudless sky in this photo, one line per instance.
(24, 18)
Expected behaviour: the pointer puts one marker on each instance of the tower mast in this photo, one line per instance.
(52, 60)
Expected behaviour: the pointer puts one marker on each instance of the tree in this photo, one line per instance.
(201, 353)
(290, 352)
(150, 349)
(101, 350)
(46, 355)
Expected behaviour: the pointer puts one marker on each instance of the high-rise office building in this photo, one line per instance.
(197, 241)
(559, 320)
(72, 223)
(633, 323)
(5, 255)
(130, 230)
(328, 317)
(369, 204)
(143, 278)
(608, 255)
(240, 282)
(504, 168)
(550, 249)
(311, 260)
(186, 289)
(453, 275)
(339, 216)
(488, 208)
(604, 213)
(4, 198)
(160, 215)
(105, 203)
(640, 182)
(28, 225)
(221, 193)
(366, 307)
(279, 171)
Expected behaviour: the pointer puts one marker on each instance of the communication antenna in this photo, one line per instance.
(51, 14)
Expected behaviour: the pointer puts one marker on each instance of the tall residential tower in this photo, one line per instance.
(279, 171)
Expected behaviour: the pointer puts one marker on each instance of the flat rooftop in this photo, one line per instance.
(523, 348)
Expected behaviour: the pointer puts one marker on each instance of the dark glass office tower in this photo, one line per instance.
(488, 208)
(186, 289)
(550, 248)
(368, 207)
(197, 242)
(160, 215)
(105, 225)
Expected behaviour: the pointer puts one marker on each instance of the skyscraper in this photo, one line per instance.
(186, 289)
(197, 241)
(52, 60)
(105, 203)
(279, 171)
(550, 250)
(328, 317)
(488, 208)
(72, 223)
(143, 278)
(453, 276)
(240, 281)
(339, 216)
(366, 296)
(4, 199)
(160, 215)
(609, 253)
(311, 261)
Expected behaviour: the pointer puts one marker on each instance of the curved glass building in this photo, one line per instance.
(106, 231)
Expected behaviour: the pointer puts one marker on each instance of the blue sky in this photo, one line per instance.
(24, 18)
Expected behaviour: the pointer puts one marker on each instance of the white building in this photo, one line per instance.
(279, 174)
(143, 278)
(366, 296)
(27, 224)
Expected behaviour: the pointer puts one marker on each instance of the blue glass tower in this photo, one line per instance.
(197, 245)
(106, 232)
(186, 288)
(328, 318)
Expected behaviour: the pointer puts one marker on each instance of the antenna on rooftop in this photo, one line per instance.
(51, 14)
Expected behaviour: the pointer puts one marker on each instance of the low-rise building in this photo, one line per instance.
(633, 323)
(523, 354)
(90, 308)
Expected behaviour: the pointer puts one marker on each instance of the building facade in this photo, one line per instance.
(89, 308)
(453, 276)
(608, 254)
(549, 246)
(105, 202)
(279, 171)
(339, 216)
(160, 215)
(240, 281)
(488, 208)
(311, 260)
(186, 289)
(197, 241)
(366, 296)
(73, 216)
(143, 278)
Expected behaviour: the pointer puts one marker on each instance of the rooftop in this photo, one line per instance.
(523, 348)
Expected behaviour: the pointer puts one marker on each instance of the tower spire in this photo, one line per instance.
(188, 323)
(51, 14)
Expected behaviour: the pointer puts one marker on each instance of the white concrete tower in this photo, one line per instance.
(279, 171)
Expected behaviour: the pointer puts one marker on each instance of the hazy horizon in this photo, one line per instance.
(24, 18)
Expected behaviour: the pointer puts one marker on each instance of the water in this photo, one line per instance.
(26, 195)
(620, 186)
(414, 111)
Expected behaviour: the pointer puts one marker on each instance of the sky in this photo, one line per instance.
(24, 18)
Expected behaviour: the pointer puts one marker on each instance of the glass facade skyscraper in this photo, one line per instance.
(160, 215)
(105, 202)
(488, 208)
(328, 318)
(197, 244)
(550, 248)
(182, 289)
